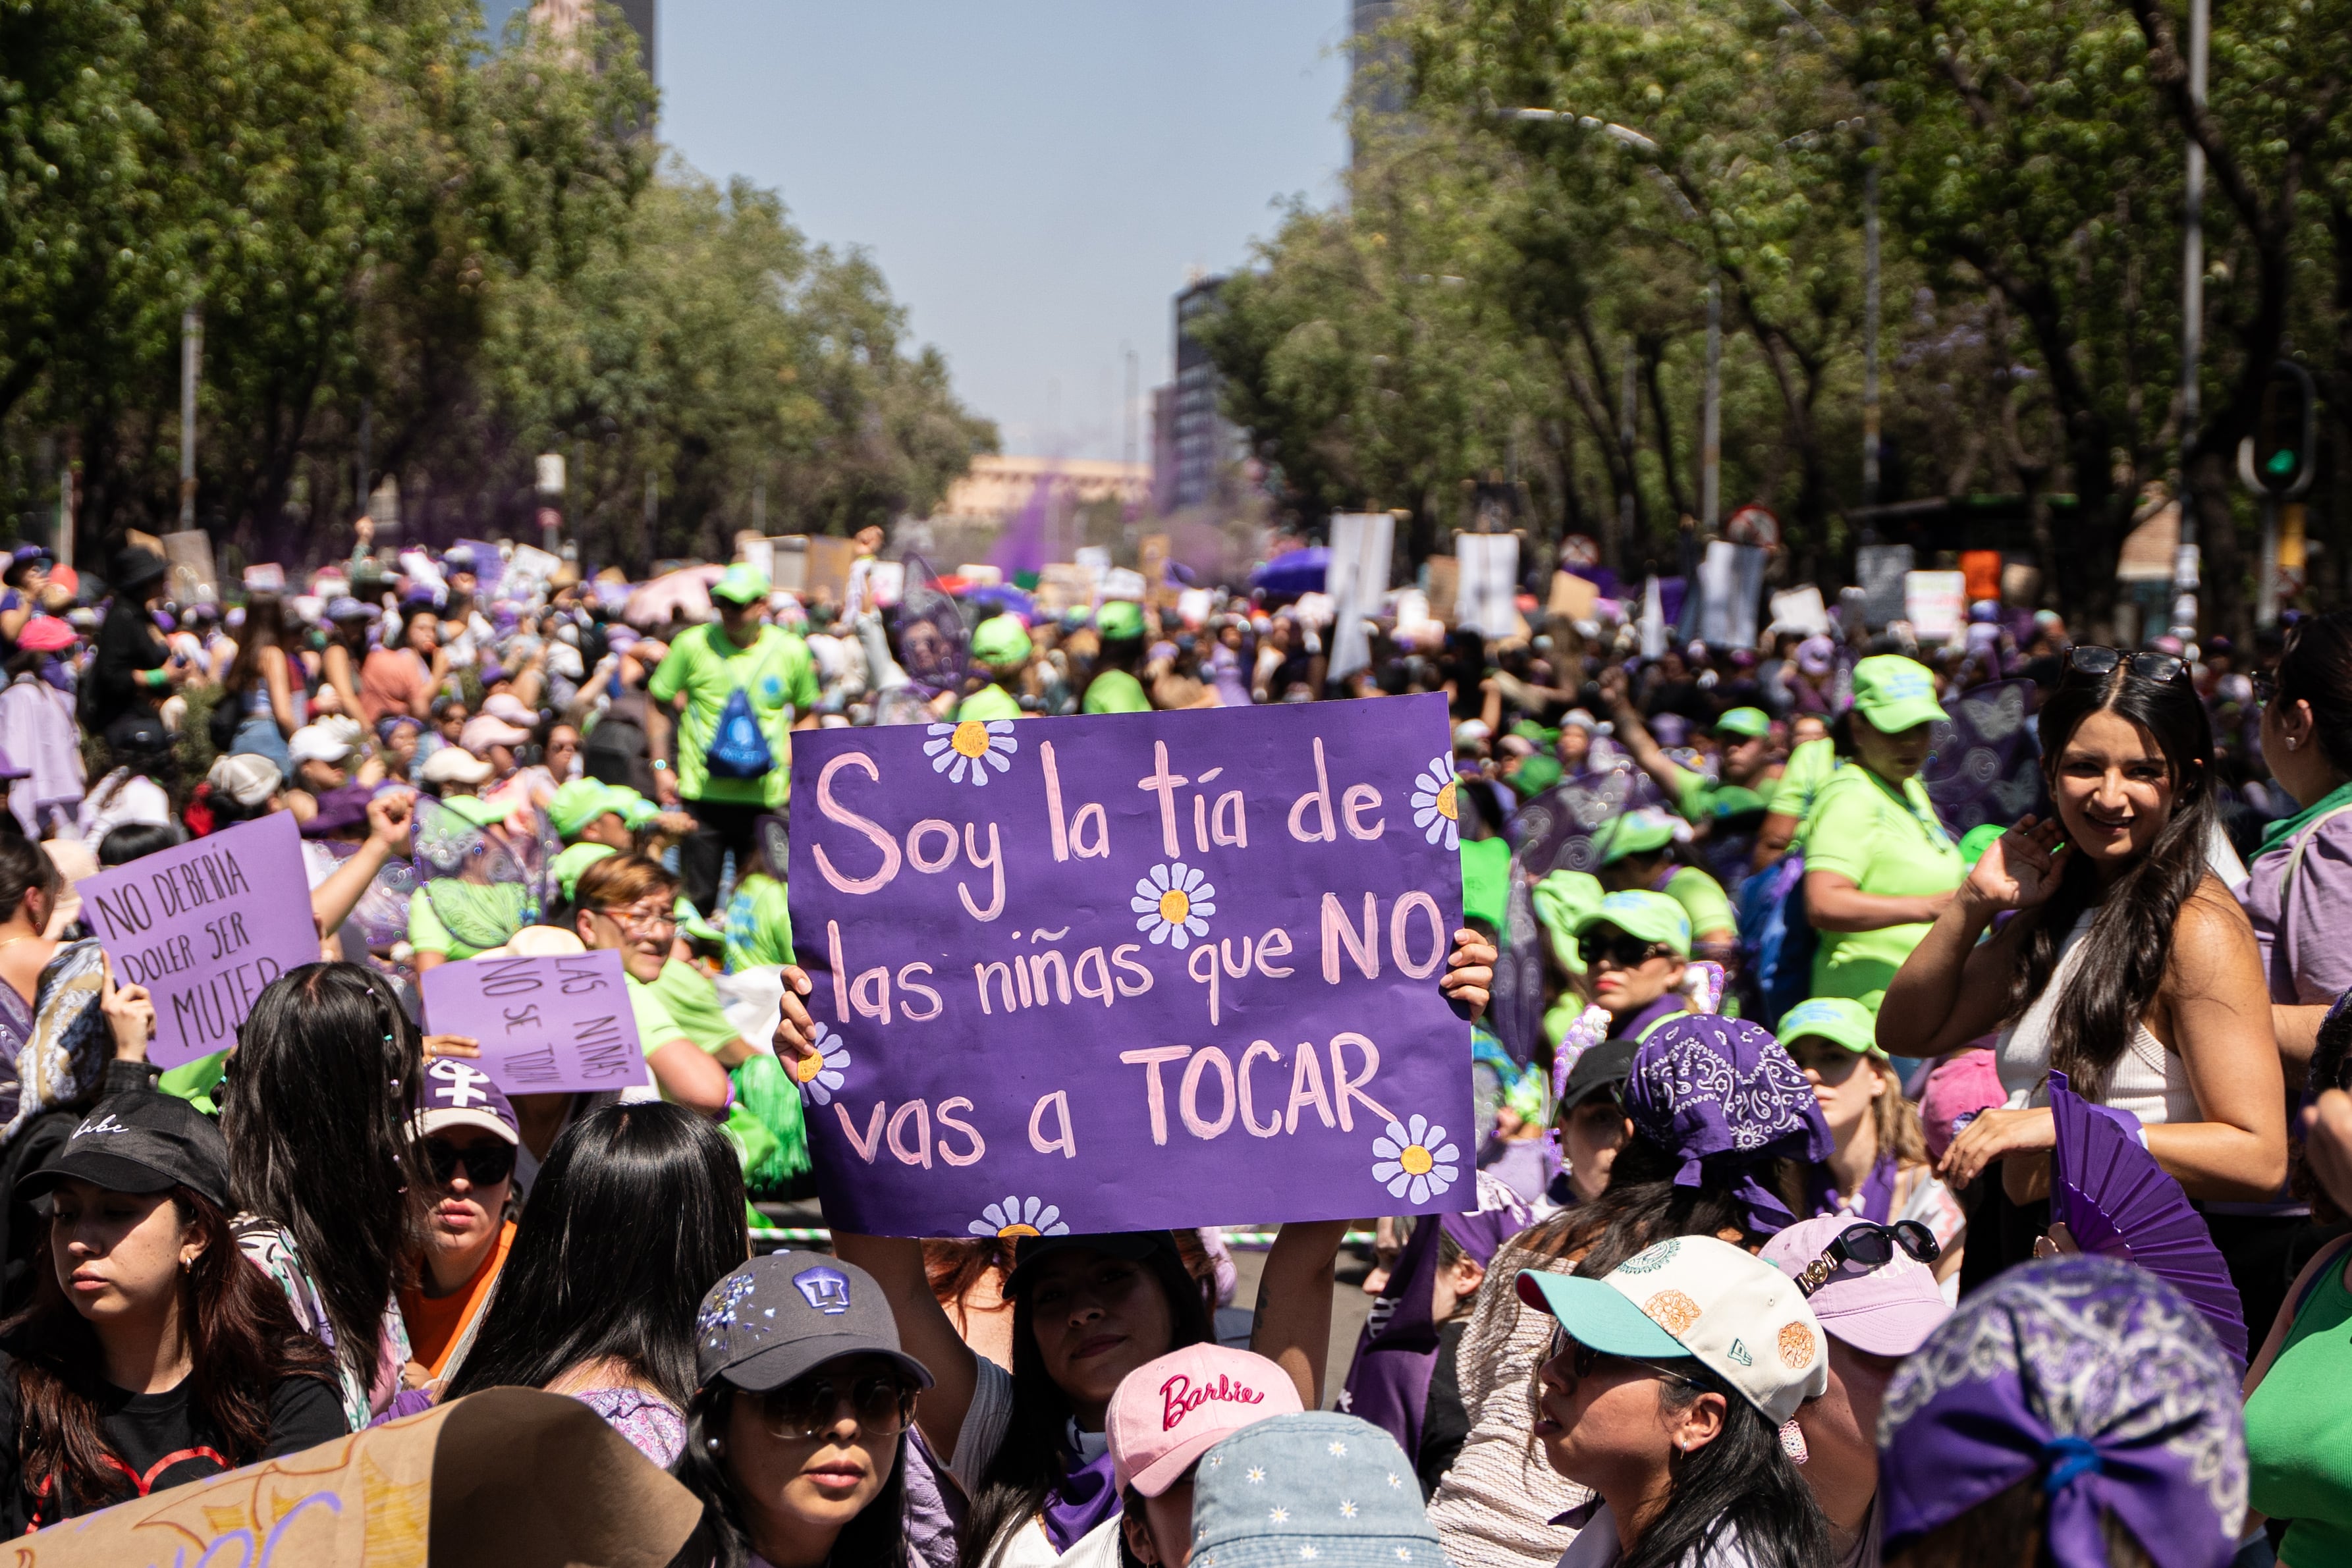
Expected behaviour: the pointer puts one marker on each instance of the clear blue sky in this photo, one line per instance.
(1035, 177)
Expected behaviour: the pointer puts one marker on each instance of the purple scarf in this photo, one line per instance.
(1876, 1200)
(1723, 1097)
(1088, 1496)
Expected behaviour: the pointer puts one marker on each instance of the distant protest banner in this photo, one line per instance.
(204, 928)
(546, 1025)
(1133, 971)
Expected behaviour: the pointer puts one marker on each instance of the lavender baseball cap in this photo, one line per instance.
(460, 1094)
(1888, 1311)
(1723, 1095)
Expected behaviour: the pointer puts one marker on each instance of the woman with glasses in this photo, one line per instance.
(796, 1438)
(629, 904)
(1636, 949)
(2124, 963)
(637, 1211)
(1667, 1386)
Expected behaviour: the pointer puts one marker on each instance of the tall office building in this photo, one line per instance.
(1375, 65)
(1205, 446)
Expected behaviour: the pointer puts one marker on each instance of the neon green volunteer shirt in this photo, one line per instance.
(759, 925)
(1890, 844)
(655, 1027)
(1810, 767)
(778, 677)
(1116, 691)
(692, 1003)
(1703, 900)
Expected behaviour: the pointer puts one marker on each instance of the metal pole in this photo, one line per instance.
(192, 348)
(2266, 593)
(1627, 433)
(759, 506)
(1870, 335)
(364, 480)
(1710, 451)
(2192, 318)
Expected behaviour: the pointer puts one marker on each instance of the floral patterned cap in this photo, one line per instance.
(1723, 1096)
(1317, 1488)
(2095, 1377)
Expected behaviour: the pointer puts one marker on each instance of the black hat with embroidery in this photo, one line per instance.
(140, 1141)
(778, 1316)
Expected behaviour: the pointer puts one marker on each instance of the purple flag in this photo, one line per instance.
(934, 644)
(547, 1025)
(204, 928)
(1133, 971)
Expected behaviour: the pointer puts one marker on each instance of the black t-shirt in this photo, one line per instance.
(163, 1440)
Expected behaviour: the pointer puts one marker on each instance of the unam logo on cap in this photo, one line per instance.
(827, 1289)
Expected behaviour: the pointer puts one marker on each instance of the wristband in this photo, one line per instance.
(660, 767)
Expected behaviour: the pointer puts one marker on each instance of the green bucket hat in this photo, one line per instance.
(742, 583)
(1487, 881)
(1895, 694)
(1748, 723)
(1637, 832)
(1120, 621)
(1652, 916)
(475, 811)
(1561, 899)
(1000, 641)
(1838, 1020)
(581, 802)
(568, 866)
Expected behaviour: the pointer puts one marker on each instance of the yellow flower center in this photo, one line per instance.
(1012, 1230)
(807, 1068)
(1416, 1160)
(971, 739)
(1175, 906)
(1445, 800)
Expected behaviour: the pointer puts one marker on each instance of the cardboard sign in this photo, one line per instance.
(204, 928)
(1153, 554)
(827, 573)
(547, 1025)
(1573, 597)
(1133, 971)
(509, 1478)
(194, 579)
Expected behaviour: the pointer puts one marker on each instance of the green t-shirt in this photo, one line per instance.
(988, 703)
(1890, 844)
(454, 918)
(778, 677)
(1703, 900)
(1116, 691)
(759, 925)
(1810, 767)
(655, 1027)
(692, 1003)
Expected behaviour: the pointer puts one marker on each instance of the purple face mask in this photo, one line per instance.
(2092, 1376)
(1722, 1095)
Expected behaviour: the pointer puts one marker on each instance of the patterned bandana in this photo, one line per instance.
(1723, 1095)
(2097, 1377)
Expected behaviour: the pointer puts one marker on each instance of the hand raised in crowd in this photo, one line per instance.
(1994, 1134)
(2019, 870)
(130, 1013)
(389, 815)
(2327, 1141)
(464, 1045)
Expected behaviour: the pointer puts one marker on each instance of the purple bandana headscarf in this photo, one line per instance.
(1721, 1095)
(2095, 1375)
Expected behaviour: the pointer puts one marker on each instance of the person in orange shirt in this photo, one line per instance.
(467, 1135)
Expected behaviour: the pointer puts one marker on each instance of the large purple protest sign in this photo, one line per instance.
(1133, 971)
(204, 928)
(546, 1025)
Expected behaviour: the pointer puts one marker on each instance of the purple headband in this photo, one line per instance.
(1721, 1093)
(2095, 1375)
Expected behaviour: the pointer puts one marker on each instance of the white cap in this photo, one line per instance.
(317, 743)
(245, 778)
(455, 764)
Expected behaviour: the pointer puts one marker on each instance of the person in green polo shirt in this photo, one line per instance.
(1114, 689)
(1878, 863)
(1637, 851)
(743, 686)
(1001, 650)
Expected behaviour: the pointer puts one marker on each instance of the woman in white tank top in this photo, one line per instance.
(2125, 962)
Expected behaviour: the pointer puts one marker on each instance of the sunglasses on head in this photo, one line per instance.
(1866, 1244)
(1625, 951)
(484, 1164)
(2097, 663)
(810, 1406)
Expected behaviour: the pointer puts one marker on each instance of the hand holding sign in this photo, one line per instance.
(540, 1026)
(130, 1013)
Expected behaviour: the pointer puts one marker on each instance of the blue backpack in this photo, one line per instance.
(738, 747)
(1776, 941)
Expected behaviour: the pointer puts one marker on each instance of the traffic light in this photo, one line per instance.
(2284, 432)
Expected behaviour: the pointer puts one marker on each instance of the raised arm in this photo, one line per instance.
(1635, 737)
(1953, 988)
(333, 901)
(1293, 1326)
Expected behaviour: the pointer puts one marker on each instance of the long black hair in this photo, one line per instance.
(876, 1536)
(637, 1212)
(1743, 1480)
(2130, 939)
(1034, 1457)
(2315, 667)
(318, 1113)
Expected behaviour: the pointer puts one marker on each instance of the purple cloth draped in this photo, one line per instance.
(1722, 1094)
(1986, 764)
(1088, 1496)
(1878, 1198)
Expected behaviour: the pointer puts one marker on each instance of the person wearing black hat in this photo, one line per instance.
(152, 1355)
(796, 1438)
(133, 668)
(27, 573)
(1592, 1121)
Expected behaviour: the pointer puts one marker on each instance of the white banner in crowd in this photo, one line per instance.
(1486, 598)
(1731, 582)
(1934, 602)
(1356, 579)
(1800, 610)
(1880, 569)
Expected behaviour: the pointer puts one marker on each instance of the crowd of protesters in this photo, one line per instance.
(1770, 954)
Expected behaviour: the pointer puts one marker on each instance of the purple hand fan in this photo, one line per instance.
(2120, 1203)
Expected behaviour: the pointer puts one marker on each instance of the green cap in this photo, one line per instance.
(1978, 839)
(1120, 621)
(1534, 775)
(1561, 899)
(1536, 735)
(1001, 640)
(574, 861)
(1895, 694)
(581, 802)
(1733, 801)
(1652, 916)
(742, 583)
(474, 810)
(988, 703)
(1749, 723)
(1637, 832)
(1841, 1020)
(1486, 881)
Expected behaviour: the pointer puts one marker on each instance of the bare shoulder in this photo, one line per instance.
(2211, 939)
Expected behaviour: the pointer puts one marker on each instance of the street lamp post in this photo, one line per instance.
(2184, 562)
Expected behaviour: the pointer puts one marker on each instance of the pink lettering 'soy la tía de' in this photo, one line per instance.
(1180, 1398)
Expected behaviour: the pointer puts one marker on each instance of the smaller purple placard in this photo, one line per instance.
(547, 1025)
(204, 928)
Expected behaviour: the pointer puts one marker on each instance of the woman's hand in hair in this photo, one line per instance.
(130, 1017)
(795, 1030)
(1993, 1135)
(1469, 972)
(2019, 870)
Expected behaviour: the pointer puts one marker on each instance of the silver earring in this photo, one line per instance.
(716, 1445)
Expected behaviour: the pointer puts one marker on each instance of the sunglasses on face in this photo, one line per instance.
(1866, 1244)
(1625, 951)
(2095, 663)
(1583, 1360)
(810, 1406)
(484, 1164)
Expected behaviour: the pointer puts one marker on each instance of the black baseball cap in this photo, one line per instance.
(1602, 1066)
(140, 1141)
(1134, 1245)
(789, 1313)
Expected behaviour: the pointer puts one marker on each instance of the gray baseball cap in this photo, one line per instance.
(778, 1316)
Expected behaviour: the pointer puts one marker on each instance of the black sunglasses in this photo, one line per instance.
(1866, 1244)
(1584, 1361)
(1625, 951)
(810, 1407)
(2097, 663)
(484, 1164)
